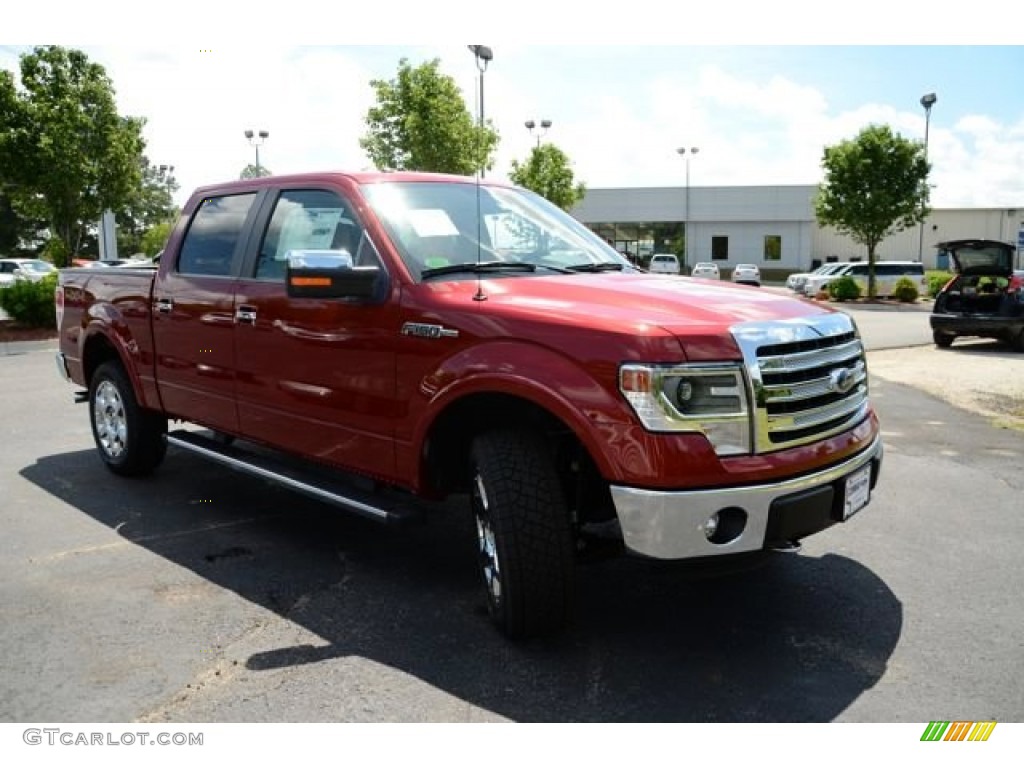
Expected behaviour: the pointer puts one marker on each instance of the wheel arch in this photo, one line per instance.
(99, 347)
(446, 448)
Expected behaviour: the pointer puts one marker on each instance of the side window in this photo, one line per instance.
(209, 245)
(309, 219)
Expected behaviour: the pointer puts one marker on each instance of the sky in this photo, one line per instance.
(759, 114)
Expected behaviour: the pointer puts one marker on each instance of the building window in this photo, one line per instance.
(772, 247)
(719, 248)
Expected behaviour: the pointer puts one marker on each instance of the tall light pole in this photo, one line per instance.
(927, 101)
(687, 154)
(544, 126)
(483, 55)
(256, 140)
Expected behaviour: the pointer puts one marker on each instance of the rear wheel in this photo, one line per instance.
(130, 439)
(943, 339)
(524, 537)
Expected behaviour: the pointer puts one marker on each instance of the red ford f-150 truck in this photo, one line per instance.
(432, 335)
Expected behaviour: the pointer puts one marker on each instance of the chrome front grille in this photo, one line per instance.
(808, 379)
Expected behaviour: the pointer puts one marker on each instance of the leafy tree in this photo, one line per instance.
(875, 186)
(547, 172)
(152, 205)
(155, 237)
(18, 233)
(421, 123)
(68, 152)
(252, 172)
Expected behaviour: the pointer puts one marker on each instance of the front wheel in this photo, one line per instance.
(129, 438)
(941, 339)
(524, 537)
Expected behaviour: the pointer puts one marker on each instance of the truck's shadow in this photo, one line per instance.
(796, 641)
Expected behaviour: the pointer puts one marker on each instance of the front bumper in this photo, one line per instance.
(670, 524)
(62, 367)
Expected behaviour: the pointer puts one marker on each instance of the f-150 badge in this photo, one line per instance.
(427, 331)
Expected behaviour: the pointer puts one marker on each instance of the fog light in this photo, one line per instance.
(726, 525)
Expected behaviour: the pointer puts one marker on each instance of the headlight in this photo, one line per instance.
(709, 399)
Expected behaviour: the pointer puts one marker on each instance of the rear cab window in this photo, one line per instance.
(211, 244)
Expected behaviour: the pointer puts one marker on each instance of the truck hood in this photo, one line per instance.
(980, 257)
(694, 311)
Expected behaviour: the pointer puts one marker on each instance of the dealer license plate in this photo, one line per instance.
(858, 491)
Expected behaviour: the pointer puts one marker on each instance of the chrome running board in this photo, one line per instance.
(308, 479)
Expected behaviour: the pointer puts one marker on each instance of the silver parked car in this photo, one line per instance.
(24, 269)
(746, 274)
(705, 269)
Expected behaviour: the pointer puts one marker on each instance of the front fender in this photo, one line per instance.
(587, 401)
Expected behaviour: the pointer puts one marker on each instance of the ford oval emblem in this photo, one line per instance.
(841, 380)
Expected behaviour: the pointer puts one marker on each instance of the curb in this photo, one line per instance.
(22, 347)
(878, 307)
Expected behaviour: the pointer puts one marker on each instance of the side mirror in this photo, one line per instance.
(322, 274)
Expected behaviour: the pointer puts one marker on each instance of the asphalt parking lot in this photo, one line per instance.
(199, 595)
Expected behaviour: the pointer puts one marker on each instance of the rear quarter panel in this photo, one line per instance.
(112, 306)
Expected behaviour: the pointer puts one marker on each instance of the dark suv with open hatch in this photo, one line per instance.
(985, 298)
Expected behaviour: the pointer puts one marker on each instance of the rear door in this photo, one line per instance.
(193, 313)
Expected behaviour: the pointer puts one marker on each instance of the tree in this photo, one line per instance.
(875, 186)
(68, 152)
(155, 237)
(252, 172)
(153, 205)
(547, 172)
(18, 234)
(420, 123)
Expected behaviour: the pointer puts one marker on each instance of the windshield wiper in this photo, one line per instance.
(607, 266)
(479, 267)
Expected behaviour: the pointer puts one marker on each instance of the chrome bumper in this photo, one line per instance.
(670, 524)
(62, 367)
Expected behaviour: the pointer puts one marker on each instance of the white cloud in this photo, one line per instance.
(761, 129)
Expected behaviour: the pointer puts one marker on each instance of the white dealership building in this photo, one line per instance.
(771, 226)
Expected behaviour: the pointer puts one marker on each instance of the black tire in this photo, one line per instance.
(524, 536)
(941, 339)
(129, 438)
(1017, 341)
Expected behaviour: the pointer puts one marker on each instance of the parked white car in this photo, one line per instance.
(746, 274)
(24, 269)
(887, 273)
(797, 280)
(705, 269)
(664, 263)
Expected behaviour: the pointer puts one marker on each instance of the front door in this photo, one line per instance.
(315, 376)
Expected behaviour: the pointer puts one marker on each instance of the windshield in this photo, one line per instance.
(37, 265)
(437, 226)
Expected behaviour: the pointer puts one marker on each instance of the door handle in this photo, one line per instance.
(245, 314)
(164, 306)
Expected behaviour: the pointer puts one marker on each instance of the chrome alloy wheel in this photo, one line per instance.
(487, 547)
(110, 420)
